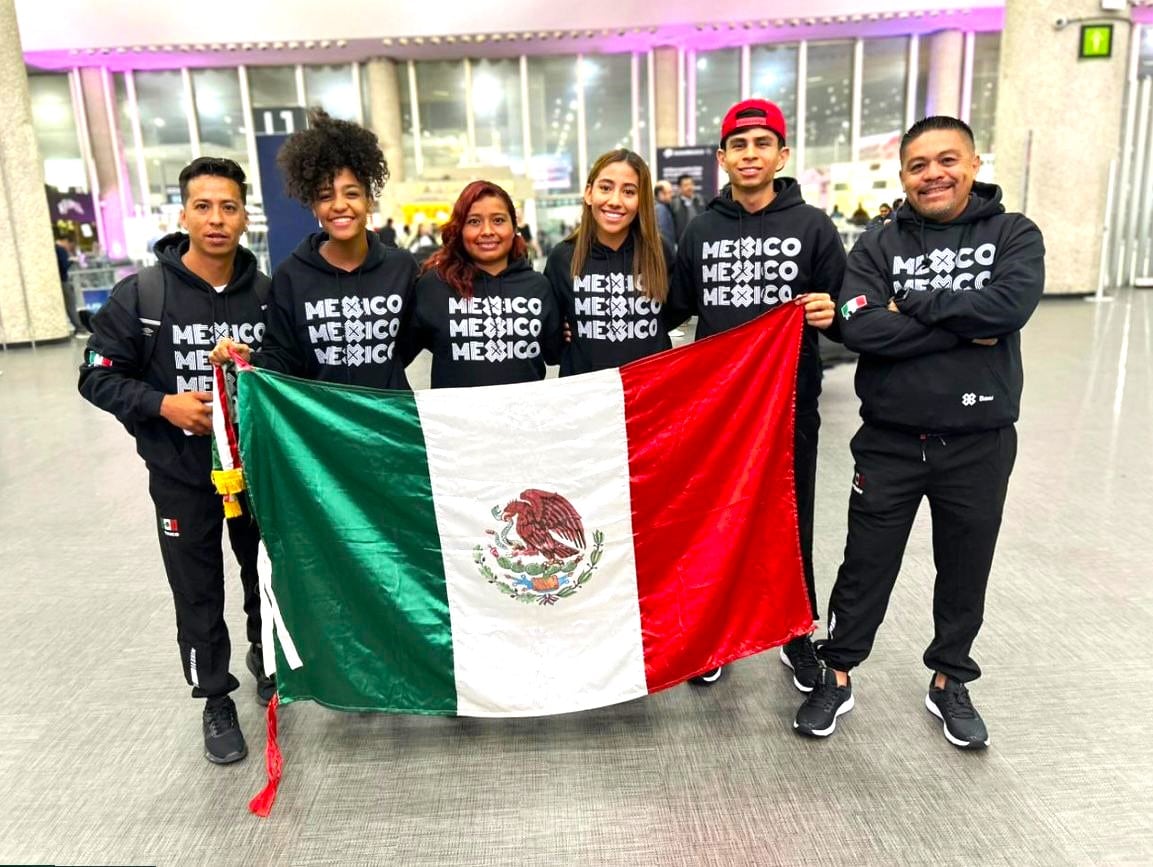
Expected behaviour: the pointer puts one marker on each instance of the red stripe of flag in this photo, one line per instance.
(728, 503)
(226, 409)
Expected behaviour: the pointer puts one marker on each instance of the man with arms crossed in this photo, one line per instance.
(934, 302)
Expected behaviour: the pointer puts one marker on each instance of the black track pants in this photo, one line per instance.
(190, 522)
(964, 477)
(808, 424)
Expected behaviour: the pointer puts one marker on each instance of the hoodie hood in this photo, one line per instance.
(308, 252)
(170, 249)
(788, 195)
(984, 202)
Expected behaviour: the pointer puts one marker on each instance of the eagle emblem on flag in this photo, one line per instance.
(540, 553)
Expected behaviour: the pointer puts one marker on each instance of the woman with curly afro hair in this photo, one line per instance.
(338, 301)
(483, 313)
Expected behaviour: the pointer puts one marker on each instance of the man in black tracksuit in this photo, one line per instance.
(147, 364)
(756, 247)
(934, 302)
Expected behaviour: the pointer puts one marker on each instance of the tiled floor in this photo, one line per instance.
(100, 746)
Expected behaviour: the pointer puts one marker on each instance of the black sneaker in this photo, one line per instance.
(801, 656)
(223, 740)
(951, 704)
(265, 683)
(818, 715)
(708, 678)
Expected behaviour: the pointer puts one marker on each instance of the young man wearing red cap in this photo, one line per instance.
(757, 246)
(934, 302)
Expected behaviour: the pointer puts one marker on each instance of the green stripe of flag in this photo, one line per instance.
(375, 632)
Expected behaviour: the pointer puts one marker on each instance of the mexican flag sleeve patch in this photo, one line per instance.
(95, 359)
(852, 306)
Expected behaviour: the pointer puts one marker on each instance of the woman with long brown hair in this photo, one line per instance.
(611, 276)
(483, 313)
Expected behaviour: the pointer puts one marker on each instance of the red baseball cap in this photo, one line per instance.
(761, 112)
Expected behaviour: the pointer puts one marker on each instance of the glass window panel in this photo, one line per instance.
(552, 94)
(406, 139)
(644, 146)
(272, 86)
(220, 116)
(127, 140)
(718, 88)
(55, 125)
(883, 84)
(443, 125)
(923, 63)
(1145, 54)
(828, 92)
(608, 103)
(983, 105)
(331, 88)
(773, 76)
(496, 110)
(164, 132)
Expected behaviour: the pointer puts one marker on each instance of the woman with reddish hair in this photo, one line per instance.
(483, 313)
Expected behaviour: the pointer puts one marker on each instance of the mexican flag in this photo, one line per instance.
(530, 549)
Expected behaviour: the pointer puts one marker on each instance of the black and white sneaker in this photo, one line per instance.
(801, 656)
(265, 683)
(708, 678)
(951, 704)
(817, 717)
(223, 740)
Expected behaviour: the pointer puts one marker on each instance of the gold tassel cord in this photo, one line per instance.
(228, 481)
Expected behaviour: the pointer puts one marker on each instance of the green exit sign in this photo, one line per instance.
(1096, 40)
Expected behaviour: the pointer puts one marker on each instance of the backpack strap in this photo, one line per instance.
(262, 286)
(150, 308)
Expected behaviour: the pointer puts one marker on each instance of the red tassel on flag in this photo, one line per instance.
(261, 805)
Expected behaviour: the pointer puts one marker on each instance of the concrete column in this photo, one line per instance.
(946, 66)
(383, 85)
(31, 303)
(666, 97)
(108, 160)
(1058, 126)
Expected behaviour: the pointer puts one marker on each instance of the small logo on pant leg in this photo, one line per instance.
(858, 483)
(171, 526)
(193, 674)
(832, 622)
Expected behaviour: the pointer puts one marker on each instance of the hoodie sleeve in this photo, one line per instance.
(552, 328)
(279, 351)
(867, 325)
(829, 271)
(682, 300)
(1003, 305)
(112, 375)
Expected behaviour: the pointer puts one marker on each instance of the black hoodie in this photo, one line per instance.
(506, 332)
(978, 276)
(732, 266)
(611, 320)
(118, 378)
(333, 325)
